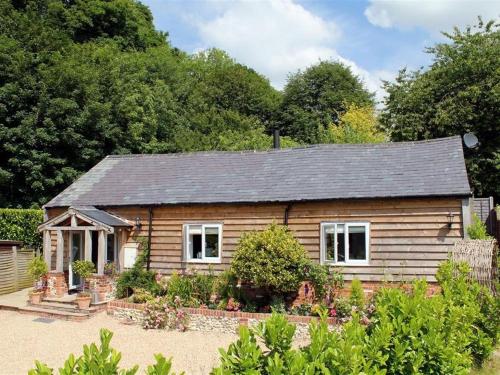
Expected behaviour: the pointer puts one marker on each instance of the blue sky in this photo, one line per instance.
(275, 37)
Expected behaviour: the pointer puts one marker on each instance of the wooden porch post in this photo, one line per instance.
(88, 245)
(60, 251)
(101, 252)
(47, 249)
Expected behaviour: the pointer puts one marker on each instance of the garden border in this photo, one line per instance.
(209, 320)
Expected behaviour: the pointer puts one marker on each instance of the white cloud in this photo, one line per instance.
(278, 37)
(432, 15)
(273, 37)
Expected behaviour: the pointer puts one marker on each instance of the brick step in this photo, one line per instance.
(54, 314)
(63, 306)
(67, 300)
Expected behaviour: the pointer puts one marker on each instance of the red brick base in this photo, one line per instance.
(56, 284)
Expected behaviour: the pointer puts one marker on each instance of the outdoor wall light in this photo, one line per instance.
(450, 219)
(138, 224)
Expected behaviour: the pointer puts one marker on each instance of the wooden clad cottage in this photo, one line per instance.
(379, 211)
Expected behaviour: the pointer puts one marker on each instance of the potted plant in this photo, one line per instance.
(36, 269)
(84, 269)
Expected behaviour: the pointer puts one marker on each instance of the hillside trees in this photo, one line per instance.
(83, 79)
(315, 98)
(457, 94)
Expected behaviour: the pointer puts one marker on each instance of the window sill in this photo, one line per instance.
(203, 261)
(349, 264)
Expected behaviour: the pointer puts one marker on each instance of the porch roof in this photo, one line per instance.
(90, 214)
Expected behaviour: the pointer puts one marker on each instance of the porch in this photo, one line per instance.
(83, 233)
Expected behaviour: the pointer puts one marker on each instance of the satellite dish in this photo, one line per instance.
(471, 140)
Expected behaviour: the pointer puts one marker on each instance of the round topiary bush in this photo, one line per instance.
(271, 259)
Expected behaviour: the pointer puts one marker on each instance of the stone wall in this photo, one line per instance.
(212, 320)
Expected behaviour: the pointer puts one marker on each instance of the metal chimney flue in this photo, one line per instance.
(276, 139)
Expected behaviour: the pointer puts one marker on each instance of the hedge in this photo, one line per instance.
(21, 225)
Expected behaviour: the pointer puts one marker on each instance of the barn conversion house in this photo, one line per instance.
(378, 210)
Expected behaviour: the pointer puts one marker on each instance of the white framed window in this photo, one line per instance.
(345, 243)
(202, 243)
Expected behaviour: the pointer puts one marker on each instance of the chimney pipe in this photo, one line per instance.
(276, 139)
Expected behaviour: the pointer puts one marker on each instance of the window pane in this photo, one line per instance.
(340, 243)
(194, 239)
(329, 242)
(357, 243)
(211, 242)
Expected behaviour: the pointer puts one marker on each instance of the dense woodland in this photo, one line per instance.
(83, 79)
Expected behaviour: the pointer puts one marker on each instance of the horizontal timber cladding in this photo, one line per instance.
(408, 237)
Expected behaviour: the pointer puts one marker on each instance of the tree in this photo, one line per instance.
(356, 125)
(457, 94)
(316, 98)
(83, 79)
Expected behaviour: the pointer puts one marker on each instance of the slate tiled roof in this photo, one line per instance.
(102, 216)
(406, 169)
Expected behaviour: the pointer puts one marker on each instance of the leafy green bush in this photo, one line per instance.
(83, 268)
(482, 308)
(101, 360)
(271, 259)
(357, 296)
(319, 277)
(477, 230)
(194, 289)
(408, 333)
(36, 269)
(21, 225)
(137, 277)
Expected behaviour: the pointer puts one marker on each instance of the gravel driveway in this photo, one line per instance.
(22, 340)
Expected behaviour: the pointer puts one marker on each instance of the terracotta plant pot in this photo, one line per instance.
(83, 301)
(101, 296)
(35, 298)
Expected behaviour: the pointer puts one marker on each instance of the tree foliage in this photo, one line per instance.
(356, 125)
(83, 79)
(316, 98)
(459, 93)
(21, 225)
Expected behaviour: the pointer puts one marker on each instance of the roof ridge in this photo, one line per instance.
(290, 149)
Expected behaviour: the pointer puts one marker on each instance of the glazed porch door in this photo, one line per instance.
(75, 253)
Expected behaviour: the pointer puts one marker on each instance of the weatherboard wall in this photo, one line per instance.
(408, 237)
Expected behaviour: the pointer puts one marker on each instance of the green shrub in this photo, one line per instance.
(477, 230)
(101, 360)
(83, 268)
(319, 277)
(137, 277)
(278, 305)
(357, 295)
(141, 296)
(271, 259)
(36, 269)
(226, 285)
(181, 287)
(482, 309)
(21, 225)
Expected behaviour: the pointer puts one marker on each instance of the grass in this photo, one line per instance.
(492, 367)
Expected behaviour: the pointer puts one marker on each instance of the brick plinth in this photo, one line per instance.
(102, 285)
(56, 284)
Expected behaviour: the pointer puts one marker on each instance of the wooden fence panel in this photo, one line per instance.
(481, 255)
(14, 270)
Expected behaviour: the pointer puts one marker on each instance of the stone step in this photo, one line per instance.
(67, 300)
(54, 314)
(61, 306)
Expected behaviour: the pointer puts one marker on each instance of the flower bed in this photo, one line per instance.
(201, 319)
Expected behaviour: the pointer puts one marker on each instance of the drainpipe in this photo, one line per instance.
(287, 210)
(150, 231)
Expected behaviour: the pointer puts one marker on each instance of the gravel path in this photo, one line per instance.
(22, 340)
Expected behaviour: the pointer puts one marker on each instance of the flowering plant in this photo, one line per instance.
(159, 313)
